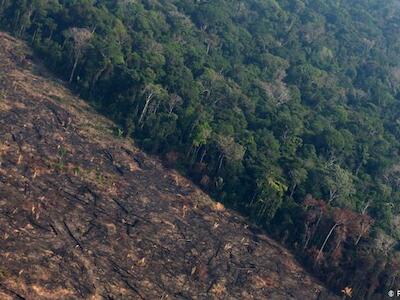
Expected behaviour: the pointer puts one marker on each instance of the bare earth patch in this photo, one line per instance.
(84, 215)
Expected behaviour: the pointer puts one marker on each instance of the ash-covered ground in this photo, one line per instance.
(86, 215)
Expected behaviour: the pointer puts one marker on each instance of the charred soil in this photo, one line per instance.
(86, 215)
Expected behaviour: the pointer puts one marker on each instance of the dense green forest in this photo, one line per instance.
(285, 110)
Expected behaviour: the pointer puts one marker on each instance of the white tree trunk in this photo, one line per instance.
(71, 77)
(326, 240)
(146, 106)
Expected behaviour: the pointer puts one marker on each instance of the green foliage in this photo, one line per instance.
(269, 198)
(61, 154)
(306, 91)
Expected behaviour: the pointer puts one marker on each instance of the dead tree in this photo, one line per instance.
(81, 38)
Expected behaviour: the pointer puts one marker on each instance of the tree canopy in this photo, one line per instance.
(269, 100)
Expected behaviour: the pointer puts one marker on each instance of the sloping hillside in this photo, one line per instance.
(86, 215)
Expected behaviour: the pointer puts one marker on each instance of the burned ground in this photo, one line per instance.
(86, 215)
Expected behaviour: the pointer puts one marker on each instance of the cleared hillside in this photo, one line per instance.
(86, 215)
(286, 111)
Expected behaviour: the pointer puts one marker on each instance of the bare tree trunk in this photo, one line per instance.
(34, 35)
(362, 231)
(203, 154)
(315, 229)
(21, 30)
(71, 77)
(362, 224)
(23, 27)
(326, 240)
(359, 167)
(308, 233)
(146, 106)
(156, 107)
(50, 35)
(318, 221)
(195, 153)
(366, 207)
(359, 236)
(332, 196)
(292, 190)
(221, 159)
(97, 76)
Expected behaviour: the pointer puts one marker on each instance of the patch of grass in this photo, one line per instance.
(58, 99)
(77, 171)
(60, 164)
(119, 133)
(100, 177)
